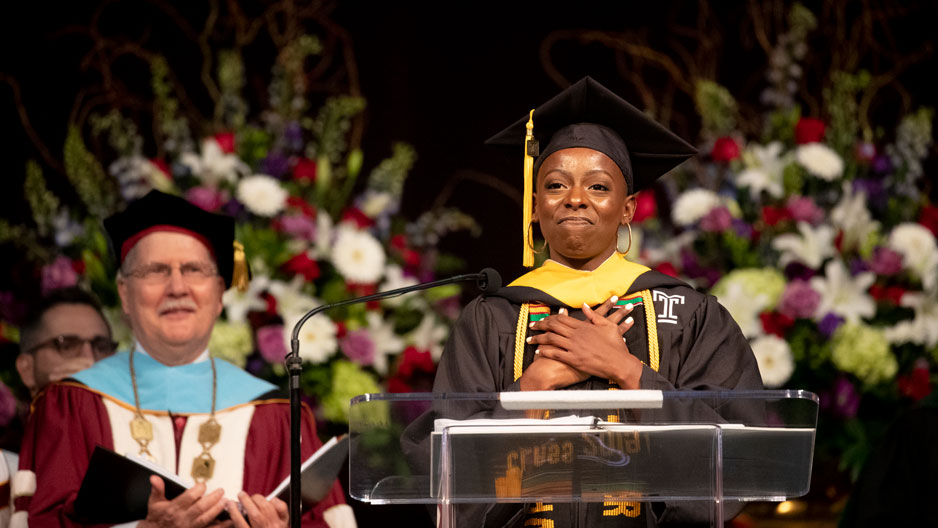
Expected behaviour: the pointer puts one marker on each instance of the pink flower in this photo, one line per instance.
(799, 300)
(210, 200)
(717, 220)
(725, 149)
(298, 226)
(270, 342)
(59, 274)
(885, 261)
(803, 209)
(7, 405)
(358, 346)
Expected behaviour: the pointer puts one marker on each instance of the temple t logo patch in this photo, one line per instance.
(667, 302)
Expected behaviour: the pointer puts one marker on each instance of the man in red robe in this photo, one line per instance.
(166, 399)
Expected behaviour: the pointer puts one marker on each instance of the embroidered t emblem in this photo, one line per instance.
(667, 314)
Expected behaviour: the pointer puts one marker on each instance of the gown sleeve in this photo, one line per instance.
(267, 463)
(66, 424)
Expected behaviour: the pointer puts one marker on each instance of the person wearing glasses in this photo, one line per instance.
(65, 333)
(166, 398)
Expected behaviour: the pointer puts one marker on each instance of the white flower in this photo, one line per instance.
(842, 294)
(919, 252)
(214, 166)
(323, 235)
(820, 160)
(317, 337)
(66, 230)
(851, 216)
(744, 306)
(262, 195)
(693, 205)
(394, 278)
(375, 203)
(764, 170)
(429, 336)
(358, 256)
(291, 300)
(238, 304)
(138, 175)
(811, 248)
(923, 329)
(385, 340)
(775, 360)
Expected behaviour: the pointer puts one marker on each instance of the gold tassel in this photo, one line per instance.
(241, 274)
(530, 152)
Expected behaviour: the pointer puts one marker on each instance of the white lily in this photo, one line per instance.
(238, 304)
(429, 336)
(842, 294)
(386, 341)
(764, 169)
(852, 217)
(923, 328)
(812, 247)
(214, 166)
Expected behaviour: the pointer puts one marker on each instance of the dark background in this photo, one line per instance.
(441, 76)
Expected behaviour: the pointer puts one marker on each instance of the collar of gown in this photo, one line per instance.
(574, 287)
(179, 389)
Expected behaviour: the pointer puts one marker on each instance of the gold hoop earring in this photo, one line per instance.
(531, 240)
(619, 243)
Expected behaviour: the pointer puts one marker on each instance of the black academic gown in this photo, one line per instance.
(701, 348)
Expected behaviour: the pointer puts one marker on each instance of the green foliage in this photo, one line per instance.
(801, 21)
(717, 108)
(95, 188)
(173, 127)
(780, 125)
(263, 245)
(390, 174)
(840, 99)
(121, 132)
(231, 110)
(43, 203)
(332, 124)
(253, 144)
(287, 89)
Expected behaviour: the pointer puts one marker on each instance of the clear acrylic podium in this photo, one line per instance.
(694, 449)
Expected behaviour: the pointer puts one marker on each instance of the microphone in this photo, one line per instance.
(488, 280)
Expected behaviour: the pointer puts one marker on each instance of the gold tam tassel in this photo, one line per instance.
(241, 274)
(530, 152)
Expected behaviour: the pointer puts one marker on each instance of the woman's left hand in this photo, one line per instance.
(594, 346)
(260, 512)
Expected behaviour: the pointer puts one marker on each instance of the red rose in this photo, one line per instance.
(411, 258)
(645, 205)
(724, 149)
(302, 265)
(296, 202)
(355, 215)
(226, 141)
(772, 215)
(893, 294)
(304, 170)
(929, 218)
(271, 303)
(397, 385)
(414, 360)
(916, 384)
(340, 329)
(667, 268)
(399, 242)
(775, 323)
(79, 266)
(809, 130)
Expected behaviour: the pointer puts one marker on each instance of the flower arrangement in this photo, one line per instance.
(314, 229)
(819, 238)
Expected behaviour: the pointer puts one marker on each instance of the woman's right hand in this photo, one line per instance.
(549, 374)
(192, 508)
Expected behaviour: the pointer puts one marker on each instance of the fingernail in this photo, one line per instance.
(614, 299)
(531, 325)
(537, 351)
(528, 340)
(563, 311)
(585, 306)
(628, 307)
(629, 320)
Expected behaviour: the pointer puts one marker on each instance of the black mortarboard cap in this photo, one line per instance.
(587, 114)
(158, 211)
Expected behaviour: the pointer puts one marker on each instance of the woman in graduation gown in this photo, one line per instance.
(590, 318)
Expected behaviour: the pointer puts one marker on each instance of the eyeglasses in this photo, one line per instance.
(158, 273)
(70, 346)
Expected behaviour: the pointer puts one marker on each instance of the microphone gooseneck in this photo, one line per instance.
(488, 280)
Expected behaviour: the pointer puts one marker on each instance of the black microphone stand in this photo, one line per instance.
(487, 280)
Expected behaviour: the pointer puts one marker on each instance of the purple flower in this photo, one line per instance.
(743, 230)
(692, 268)
(798, 271)
(717, 220)
(270, 342)
(882, 165)
(234, 208)
(843, 400)
(873, 189)
(205, 198)
(858, 266)
(293, 135)
(358, 346)
(885, 261)
(830, 323)
(275, 165)
(59, 274)
(299, 226)
(803, 209)
(7, 405)
(799, 300)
